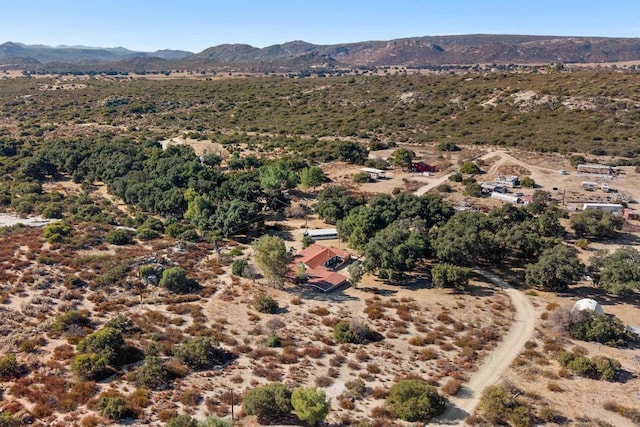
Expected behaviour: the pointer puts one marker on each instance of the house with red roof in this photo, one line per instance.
(320, 264)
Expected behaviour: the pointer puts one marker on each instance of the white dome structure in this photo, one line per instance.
(588, 304)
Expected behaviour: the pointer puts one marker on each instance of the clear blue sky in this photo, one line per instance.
(197, 24)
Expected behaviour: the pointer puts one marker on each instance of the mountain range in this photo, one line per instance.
(299, 55)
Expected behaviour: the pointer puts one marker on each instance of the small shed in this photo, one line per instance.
(322, 233)
(588, 304)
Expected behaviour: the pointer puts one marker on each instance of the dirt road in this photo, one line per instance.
(496, 363)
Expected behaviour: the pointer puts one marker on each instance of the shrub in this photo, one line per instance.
(175, 280)
(7, 420)
(451, 387)
(269, 400)
(153, 374)
(239, 267)
(603, 328)
(470, 168)
(9, 367)
(527, 182)
(106, 342)
(200, 353)
(182, 420)
(112, 405)
(90, 366)
(311, 405)
(415, 400)
(455, 177)
(353, 332)
(265, 304)
(56, 231)
(273, 341)
(118, 237)
(362, 177)
(147, 234)
(72, 317)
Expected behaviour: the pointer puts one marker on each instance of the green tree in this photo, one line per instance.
(239, 267)
(175, 279)
(527, 182)
(112, 405)
(265, 304)
(402, 158)
(310, 404)
(596, 223)
(268, 400)
(394, 250)
(182, 420)
(274, 259)
(500, 407)
(311, 177)
(106, 342)
(470, 168)
(619, 272)
(200, 353)
(118, 237)
(355, 273)
(90, 366)
(602, 328)
(9, 367)
(450, 276)
(473, 189)
(335, 202)
(465, 239)
(415, 400)
(354, 332)
(556, 269)
(153, 374)
(447, 146)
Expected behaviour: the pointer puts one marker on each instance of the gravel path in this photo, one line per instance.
(496, 363)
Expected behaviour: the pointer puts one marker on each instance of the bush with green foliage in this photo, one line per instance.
(598, 368)
(470, 168)
(183, 420)
(452, 276)
(447, 146)
(107, 343)
(353, 332)
(269, 400)
(603, 328)
(8, 420)
(307, 241)
(456, 177)
(239, 267)
(147, 234)
(66, 320)
(527, 182)
(201, 353)
(265, 304)
(175, 279)
(499, 406)
(112, 405)
(9, 367)
(415, 400)
(153, 374)
(310, 404)
(90, 367)
(272, 256)
(57, 231)
(118, 237)
(362, 177)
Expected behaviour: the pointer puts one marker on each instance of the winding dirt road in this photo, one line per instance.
(496, 363)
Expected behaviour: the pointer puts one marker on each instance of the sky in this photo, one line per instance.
(194, 25)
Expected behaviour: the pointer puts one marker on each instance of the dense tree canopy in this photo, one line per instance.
(619, 272)
(557, 268)
(335, 202)
(596, 223)
(394, 250)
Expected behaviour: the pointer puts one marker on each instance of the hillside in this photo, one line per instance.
(414, 52)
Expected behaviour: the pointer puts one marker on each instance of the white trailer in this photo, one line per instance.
(607, 207)
(505, 197)
(322, 233)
